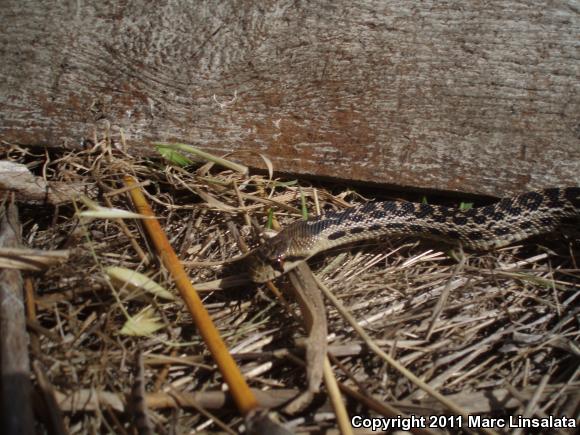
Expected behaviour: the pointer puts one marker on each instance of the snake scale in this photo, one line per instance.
(481, 228)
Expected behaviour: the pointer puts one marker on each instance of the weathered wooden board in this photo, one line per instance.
(478, 96)
(15, 388)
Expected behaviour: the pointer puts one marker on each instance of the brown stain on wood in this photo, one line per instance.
(422, 95)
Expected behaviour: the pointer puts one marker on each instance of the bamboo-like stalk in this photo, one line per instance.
(243, 396)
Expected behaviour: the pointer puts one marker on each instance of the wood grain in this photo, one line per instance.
(15, 388)
(479, 96)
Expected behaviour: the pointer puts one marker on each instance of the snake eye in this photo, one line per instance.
(279, 262)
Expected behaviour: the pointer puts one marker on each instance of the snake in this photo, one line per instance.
(509, 220)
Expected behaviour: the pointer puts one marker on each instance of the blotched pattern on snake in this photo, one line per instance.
(507, 221)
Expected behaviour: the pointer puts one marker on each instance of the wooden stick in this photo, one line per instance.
(15, 388)
(243, 396)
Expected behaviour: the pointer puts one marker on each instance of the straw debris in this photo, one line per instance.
(496, 332)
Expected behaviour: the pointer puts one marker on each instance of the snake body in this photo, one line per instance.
(507, 221)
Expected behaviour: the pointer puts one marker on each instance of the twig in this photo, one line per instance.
(336, 399)
(243, 396)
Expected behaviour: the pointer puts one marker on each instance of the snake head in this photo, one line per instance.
(272, 259)
(267, 262)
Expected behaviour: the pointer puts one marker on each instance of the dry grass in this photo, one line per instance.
(496, 332)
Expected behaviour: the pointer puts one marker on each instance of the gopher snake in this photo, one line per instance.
(509, 220)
